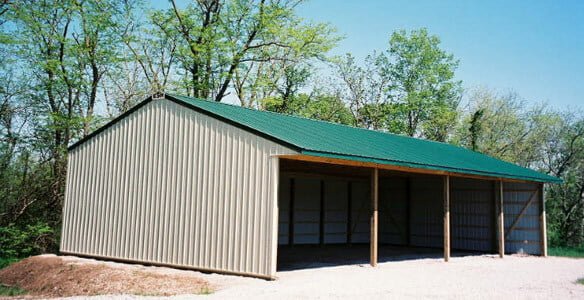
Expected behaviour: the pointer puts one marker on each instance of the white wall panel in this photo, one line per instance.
(335, 211)
(526, 234)
(173, 186)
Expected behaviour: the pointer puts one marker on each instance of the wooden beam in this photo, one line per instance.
(543, 221)
(374, 215)
(521, 213)
(500, 220)
(352, 163)
(446, 194)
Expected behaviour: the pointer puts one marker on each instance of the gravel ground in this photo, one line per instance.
(476, 277)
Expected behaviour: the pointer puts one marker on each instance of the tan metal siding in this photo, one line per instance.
(172, 186)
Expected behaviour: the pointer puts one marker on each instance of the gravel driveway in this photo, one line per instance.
(471, 277)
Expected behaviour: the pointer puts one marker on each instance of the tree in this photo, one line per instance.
(60, 53)
(223, 40)
(564, 158)
(407, 89)
(552, 142)
(363, 88)
(422, 87)
(317, 105)
(503, 126)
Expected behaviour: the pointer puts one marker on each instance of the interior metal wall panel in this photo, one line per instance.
(172, 186)
(360, 211)
(393, 211)
(522, 210)
(335, 211)
(284, 209)
(472, 214)
(306, 210)
(426, 222)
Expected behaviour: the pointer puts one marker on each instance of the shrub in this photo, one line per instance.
(22, 242)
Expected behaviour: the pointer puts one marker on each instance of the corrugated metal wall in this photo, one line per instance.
(360, 211)
(427, 211)
(169, 185)
(309, 195)
(336, 203)
(472, 214)
(522, 209)
(393, 210)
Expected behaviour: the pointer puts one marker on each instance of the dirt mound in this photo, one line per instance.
(54, 276)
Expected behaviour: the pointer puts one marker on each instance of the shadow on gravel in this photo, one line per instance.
(315, 256)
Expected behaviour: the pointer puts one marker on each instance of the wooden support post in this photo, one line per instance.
(501, 220)
(374, 212)
(446, 217)
(542, 221)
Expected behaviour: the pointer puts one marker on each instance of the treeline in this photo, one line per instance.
(68, 66)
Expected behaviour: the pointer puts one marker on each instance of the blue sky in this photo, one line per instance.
(534, 48)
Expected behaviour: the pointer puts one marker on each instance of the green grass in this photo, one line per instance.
(4, 262)
(580, 280)
(11, 290)
(567, 251)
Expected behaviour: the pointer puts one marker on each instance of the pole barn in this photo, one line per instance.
(196, 184)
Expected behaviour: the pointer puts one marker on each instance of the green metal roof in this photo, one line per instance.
(325, 139)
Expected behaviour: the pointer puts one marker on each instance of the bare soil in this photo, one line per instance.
(62, 276)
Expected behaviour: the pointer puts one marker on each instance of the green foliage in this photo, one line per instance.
(580, 280)
(5, 262)
(320, 107)
(567, 251)
(422, 84)
(11, 291)
(240, 44)
(408, 89)
(27, 241)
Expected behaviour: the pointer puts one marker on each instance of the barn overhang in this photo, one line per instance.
(519, 198)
